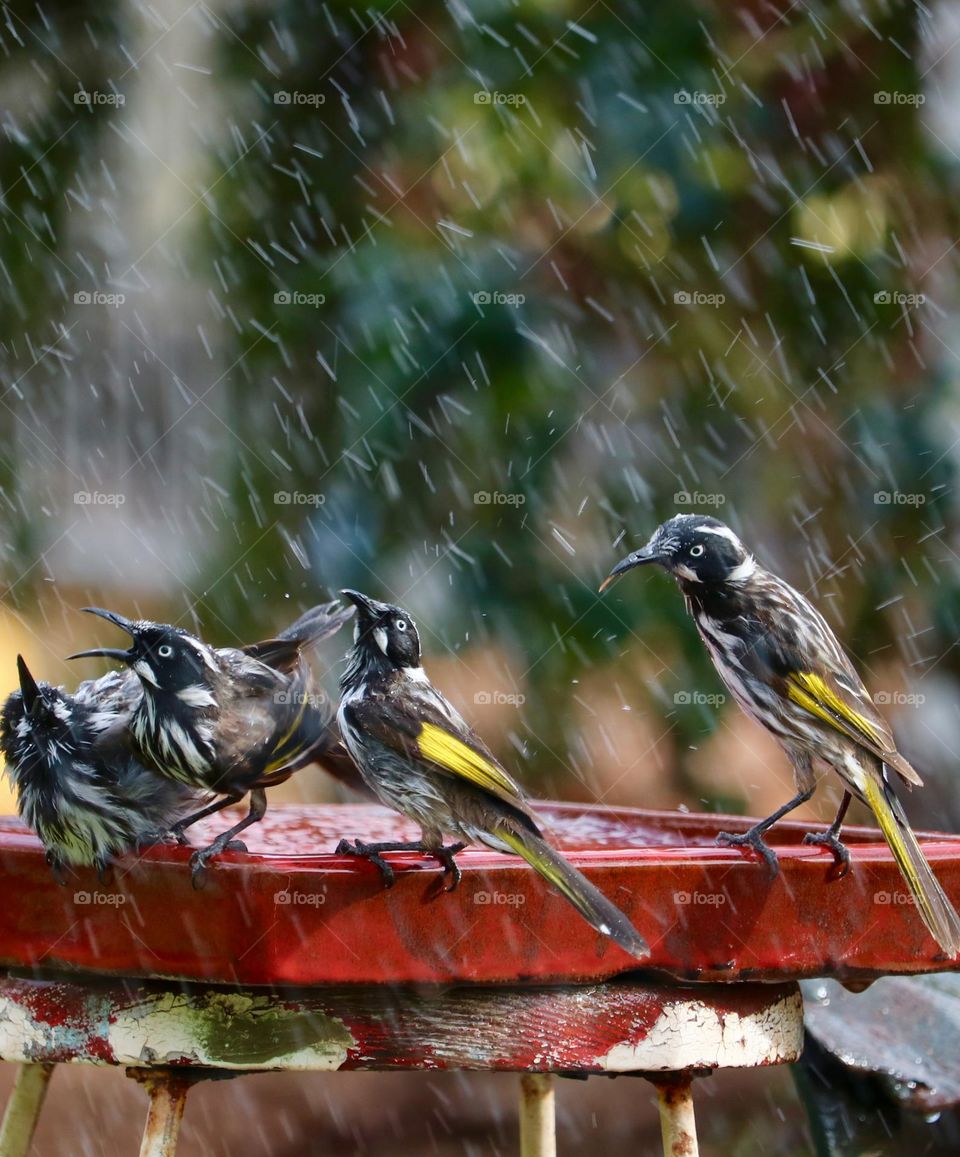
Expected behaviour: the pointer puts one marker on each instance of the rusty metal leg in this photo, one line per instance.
(538, 1126)
(168, 1095)
(23, 1109)
(678, 1125)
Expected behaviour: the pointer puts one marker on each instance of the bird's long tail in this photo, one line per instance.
(934, 907)
(589, 901)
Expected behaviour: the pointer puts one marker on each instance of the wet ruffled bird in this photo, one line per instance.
(229, 721)
(78, 785)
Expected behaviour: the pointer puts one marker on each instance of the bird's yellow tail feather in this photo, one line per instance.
(589, 901)
(934, 907)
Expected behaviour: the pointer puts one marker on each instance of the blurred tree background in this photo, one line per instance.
(440, 300)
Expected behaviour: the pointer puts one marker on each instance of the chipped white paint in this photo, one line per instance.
(174, 1028)
(689, 1034)
(21, 1037)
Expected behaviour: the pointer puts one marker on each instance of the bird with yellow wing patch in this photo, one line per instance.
(420, 757)
(787, 670)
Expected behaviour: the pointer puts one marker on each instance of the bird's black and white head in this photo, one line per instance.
(166, 659)
(41, 726)
(695, 549)
(385, 639)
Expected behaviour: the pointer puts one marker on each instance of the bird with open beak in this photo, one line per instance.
(228, 720)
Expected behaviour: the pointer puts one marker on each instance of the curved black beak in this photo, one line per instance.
(105, 653)
(640, 557)
(32, 696)
(109, 652)
(367, 607)
(111, 617)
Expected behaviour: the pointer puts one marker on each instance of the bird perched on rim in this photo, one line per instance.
(228, 720)
(78, 785)
(421, 758)
(787, 670)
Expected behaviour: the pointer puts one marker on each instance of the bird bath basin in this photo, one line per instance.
(290, 912)
(292, 957)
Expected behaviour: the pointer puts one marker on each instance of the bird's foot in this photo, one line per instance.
(451, 870)
(373, 853)
(751, 839)
(203, 856)
(177, 831)
(841, 853)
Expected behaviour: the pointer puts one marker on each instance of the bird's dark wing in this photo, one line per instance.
(826, 686)
(428, 730)
(243, 675)
(280, 654)
(283, 652)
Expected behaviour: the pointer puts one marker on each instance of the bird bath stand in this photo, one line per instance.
(296, 959)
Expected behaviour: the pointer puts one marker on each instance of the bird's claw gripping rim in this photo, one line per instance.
(202, 857)
(451, 870)
(373, 852)
(841, 854)
(752, 839)
(177, 831)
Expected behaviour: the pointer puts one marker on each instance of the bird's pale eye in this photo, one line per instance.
(696, 551)
(400, 624)
(165, 652)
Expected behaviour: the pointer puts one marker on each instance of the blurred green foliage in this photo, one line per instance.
(618, 166)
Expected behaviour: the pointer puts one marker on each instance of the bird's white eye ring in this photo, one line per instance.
(696, 551)
(165, 652)
(401, 624)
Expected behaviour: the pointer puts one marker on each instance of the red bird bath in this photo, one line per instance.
(294, 958)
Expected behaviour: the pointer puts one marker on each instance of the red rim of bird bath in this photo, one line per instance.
(290, 912)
